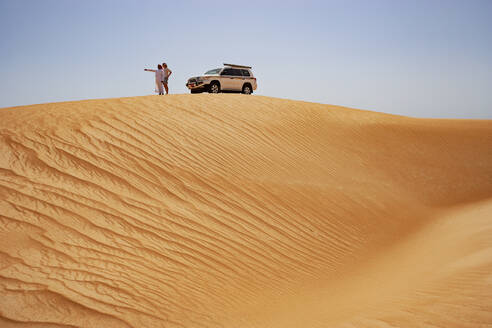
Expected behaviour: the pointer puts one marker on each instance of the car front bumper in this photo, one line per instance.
(196, 85)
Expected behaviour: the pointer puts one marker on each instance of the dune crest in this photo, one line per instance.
(242, 211)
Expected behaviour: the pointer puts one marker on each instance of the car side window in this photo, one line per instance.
(227, 71)
(236, 72)
(245, 72)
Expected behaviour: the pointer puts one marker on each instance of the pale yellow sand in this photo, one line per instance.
(242, 211)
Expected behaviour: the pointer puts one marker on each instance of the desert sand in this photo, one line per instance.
(242, 211)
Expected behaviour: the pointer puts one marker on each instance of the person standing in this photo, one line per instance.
(159, 77)
(167, 73)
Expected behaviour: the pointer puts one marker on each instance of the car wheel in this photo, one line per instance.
(247, 89)
(214, 87)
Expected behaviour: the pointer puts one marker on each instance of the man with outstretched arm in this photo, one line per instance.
(159, 77)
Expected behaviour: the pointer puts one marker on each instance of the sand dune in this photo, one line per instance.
(242, 211)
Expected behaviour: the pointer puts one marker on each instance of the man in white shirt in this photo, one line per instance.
(159, 77)
(167, 73)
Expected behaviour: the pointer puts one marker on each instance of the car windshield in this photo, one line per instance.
(213, 71)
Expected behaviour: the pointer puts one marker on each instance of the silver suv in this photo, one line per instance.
(230, 78)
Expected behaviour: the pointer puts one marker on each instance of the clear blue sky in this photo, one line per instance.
(418, 58)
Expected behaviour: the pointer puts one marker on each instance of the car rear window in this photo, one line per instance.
(245, 72)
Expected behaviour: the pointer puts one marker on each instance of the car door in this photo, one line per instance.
(227, 79)
(237, 80)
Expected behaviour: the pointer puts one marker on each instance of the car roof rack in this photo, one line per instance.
(240, 66)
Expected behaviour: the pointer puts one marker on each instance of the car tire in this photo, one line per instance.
(214, 87)
(247, 90)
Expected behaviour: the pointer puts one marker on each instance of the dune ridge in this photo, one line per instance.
(242, 211)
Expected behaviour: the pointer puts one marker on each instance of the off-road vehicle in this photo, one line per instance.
(230, 78)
